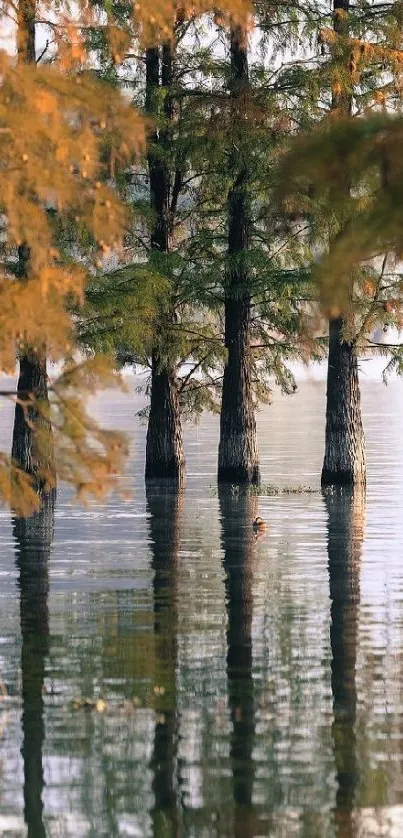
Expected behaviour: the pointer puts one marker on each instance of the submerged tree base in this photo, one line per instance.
(170, 473)
(34, 533)
(344, 460)
(164, 448)
(340, 478)
(239, 475)
(32, 446)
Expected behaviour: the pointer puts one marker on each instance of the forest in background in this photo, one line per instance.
(210, 194)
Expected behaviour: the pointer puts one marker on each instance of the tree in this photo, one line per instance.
(32, 446)
(164, 448)
(161, 248)
(344, 460)
(238, 453)
(52, 171)
(182, 244)
(184, 326)
(62, 173)
(344, 179)
(264, 283)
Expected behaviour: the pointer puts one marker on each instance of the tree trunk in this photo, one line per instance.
(26, 18)
(346, 514)
(32, 446)
(33, 539)
(344, 462)
(164, 449)
(238, 452)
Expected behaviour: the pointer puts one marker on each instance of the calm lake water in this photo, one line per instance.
(245, 687)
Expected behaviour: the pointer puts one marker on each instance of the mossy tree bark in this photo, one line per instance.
(164, 447)
(238, 452)
(344, 460)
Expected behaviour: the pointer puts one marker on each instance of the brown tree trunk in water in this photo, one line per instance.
(346, 518)
(32, 446)
(344, 462)
(238, 453)
(164, 448)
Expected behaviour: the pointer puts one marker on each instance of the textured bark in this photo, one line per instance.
(33, 539)
(346, 514)
(32, 446)
(238, 452)
(164, 449)
(26, 17)
(341, 97)
(344, 461)
(237, 539)
(163, 505)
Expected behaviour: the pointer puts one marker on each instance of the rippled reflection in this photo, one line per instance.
(346, 517)
(164, 506)
(203, 682)
(238, 541)
(33, 541)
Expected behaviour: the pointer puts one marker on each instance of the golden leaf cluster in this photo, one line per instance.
(56, 167)
(58, 132)
(159, 22)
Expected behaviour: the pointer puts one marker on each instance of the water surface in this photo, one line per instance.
(242, 686)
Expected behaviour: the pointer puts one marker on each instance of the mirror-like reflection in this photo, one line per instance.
(346, 519)
(238, 541)
(33, 541)
(198, 689)
(164, 508)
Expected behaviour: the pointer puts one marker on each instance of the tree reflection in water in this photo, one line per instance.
(237, 538)
(164, 507)
(346, 518)
(33, 541)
